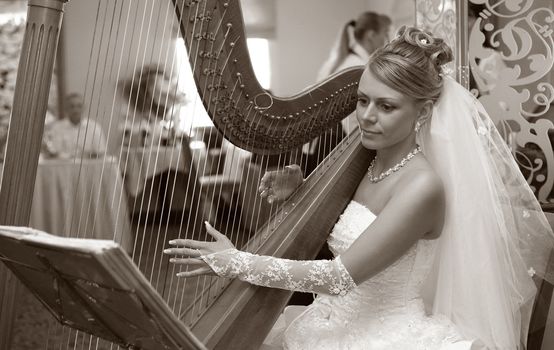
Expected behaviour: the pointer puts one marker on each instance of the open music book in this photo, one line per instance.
(92, 285)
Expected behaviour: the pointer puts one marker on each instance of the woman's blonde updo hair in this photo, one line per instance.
(412, 63)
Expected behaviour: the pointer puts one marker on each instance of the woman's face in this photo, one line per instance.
(386, 117)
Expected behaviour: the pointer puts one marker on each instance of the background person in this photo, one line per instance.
(357, 41)
(72, 136)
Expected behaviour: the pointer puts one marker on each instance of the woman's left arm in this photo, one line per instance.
(223, 259)
(404, 220)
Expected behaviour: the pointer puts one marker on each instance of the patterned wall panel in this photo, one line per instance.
(439, 17)
(511, 51)
(506, 58)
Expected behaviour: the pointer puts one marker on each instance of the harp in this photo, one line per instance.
(232, 313)
(219, 313)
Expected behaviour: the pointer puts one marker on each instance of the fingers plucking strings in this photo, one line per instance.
(187, 252)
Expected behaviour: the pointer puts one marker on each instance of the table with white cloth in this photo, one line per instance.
(81, 198)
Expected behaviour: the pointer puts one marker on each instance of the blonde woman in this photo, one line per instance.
(437, 247)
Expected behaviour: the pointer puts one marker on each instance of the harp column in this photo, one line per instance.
(34, 75)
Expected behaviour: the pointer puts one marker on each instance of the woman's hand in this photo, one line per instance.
(280, 184)
(193, 249)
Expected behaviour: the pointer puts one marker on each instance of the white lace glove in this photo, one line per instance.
(315, 276)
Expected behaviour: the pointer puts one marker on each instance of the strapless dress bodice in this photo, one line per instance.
(399, 283)
(384, 312)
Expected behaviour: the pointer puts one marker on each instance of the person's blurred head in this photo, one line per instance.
(371, 30)
(152, 91)
(73, 108)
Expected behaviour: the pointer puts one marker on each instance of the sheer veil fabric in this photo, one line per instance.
(495, 235)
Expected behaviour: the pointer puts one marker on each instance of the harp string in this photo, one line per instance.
(179, 300)
(162, 277)
(258, 117)
(120, 157)
(102, 119)
(145, 109)
(130, 105)
(90, 103)
(120, 196)
(94, 99)
(195, 223)
(82, 150)
(133, 103)
(77, 179)
(146, 198)
(235, 101)
(163, 200)
(81, 229)
(206, 280)
(150, 105)
(191, 174)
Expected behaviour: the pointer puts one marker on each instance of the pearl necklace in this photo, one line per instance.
(395, 168)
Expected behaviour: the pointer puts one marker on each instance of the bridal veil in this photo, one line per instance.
(495, 235)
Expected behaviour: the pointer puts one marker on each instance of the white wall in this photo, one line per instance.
(402, 12)
(305, 33)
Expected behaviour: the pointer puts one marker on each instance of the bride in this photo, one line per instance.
(437, 247)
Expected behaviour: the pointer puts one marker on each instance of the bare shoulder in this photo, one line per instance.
(421, 184)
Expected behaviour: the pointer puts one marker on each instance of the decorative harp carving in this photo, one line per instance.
(250, 118)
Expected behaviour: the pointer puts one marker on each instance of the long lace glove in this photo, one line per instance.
(315, 276)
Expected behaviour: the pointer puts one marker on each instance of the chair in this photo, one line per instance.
(539, 318)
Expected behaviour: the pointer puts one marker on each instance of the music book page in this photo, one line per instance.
(93, 286)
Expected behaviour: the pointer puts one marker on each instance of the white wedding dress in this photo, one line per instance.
(385, 312)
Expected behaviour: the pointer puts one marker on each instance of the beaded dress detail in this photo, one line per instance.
(384, 312)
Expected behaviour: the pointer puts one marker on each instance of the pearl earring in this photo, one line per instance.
(417, 126)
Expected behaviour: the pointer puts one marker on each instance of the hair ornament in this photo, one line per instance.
(445, 70)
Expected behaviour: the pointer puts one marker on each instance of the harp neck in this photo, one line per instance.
(247, 115)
